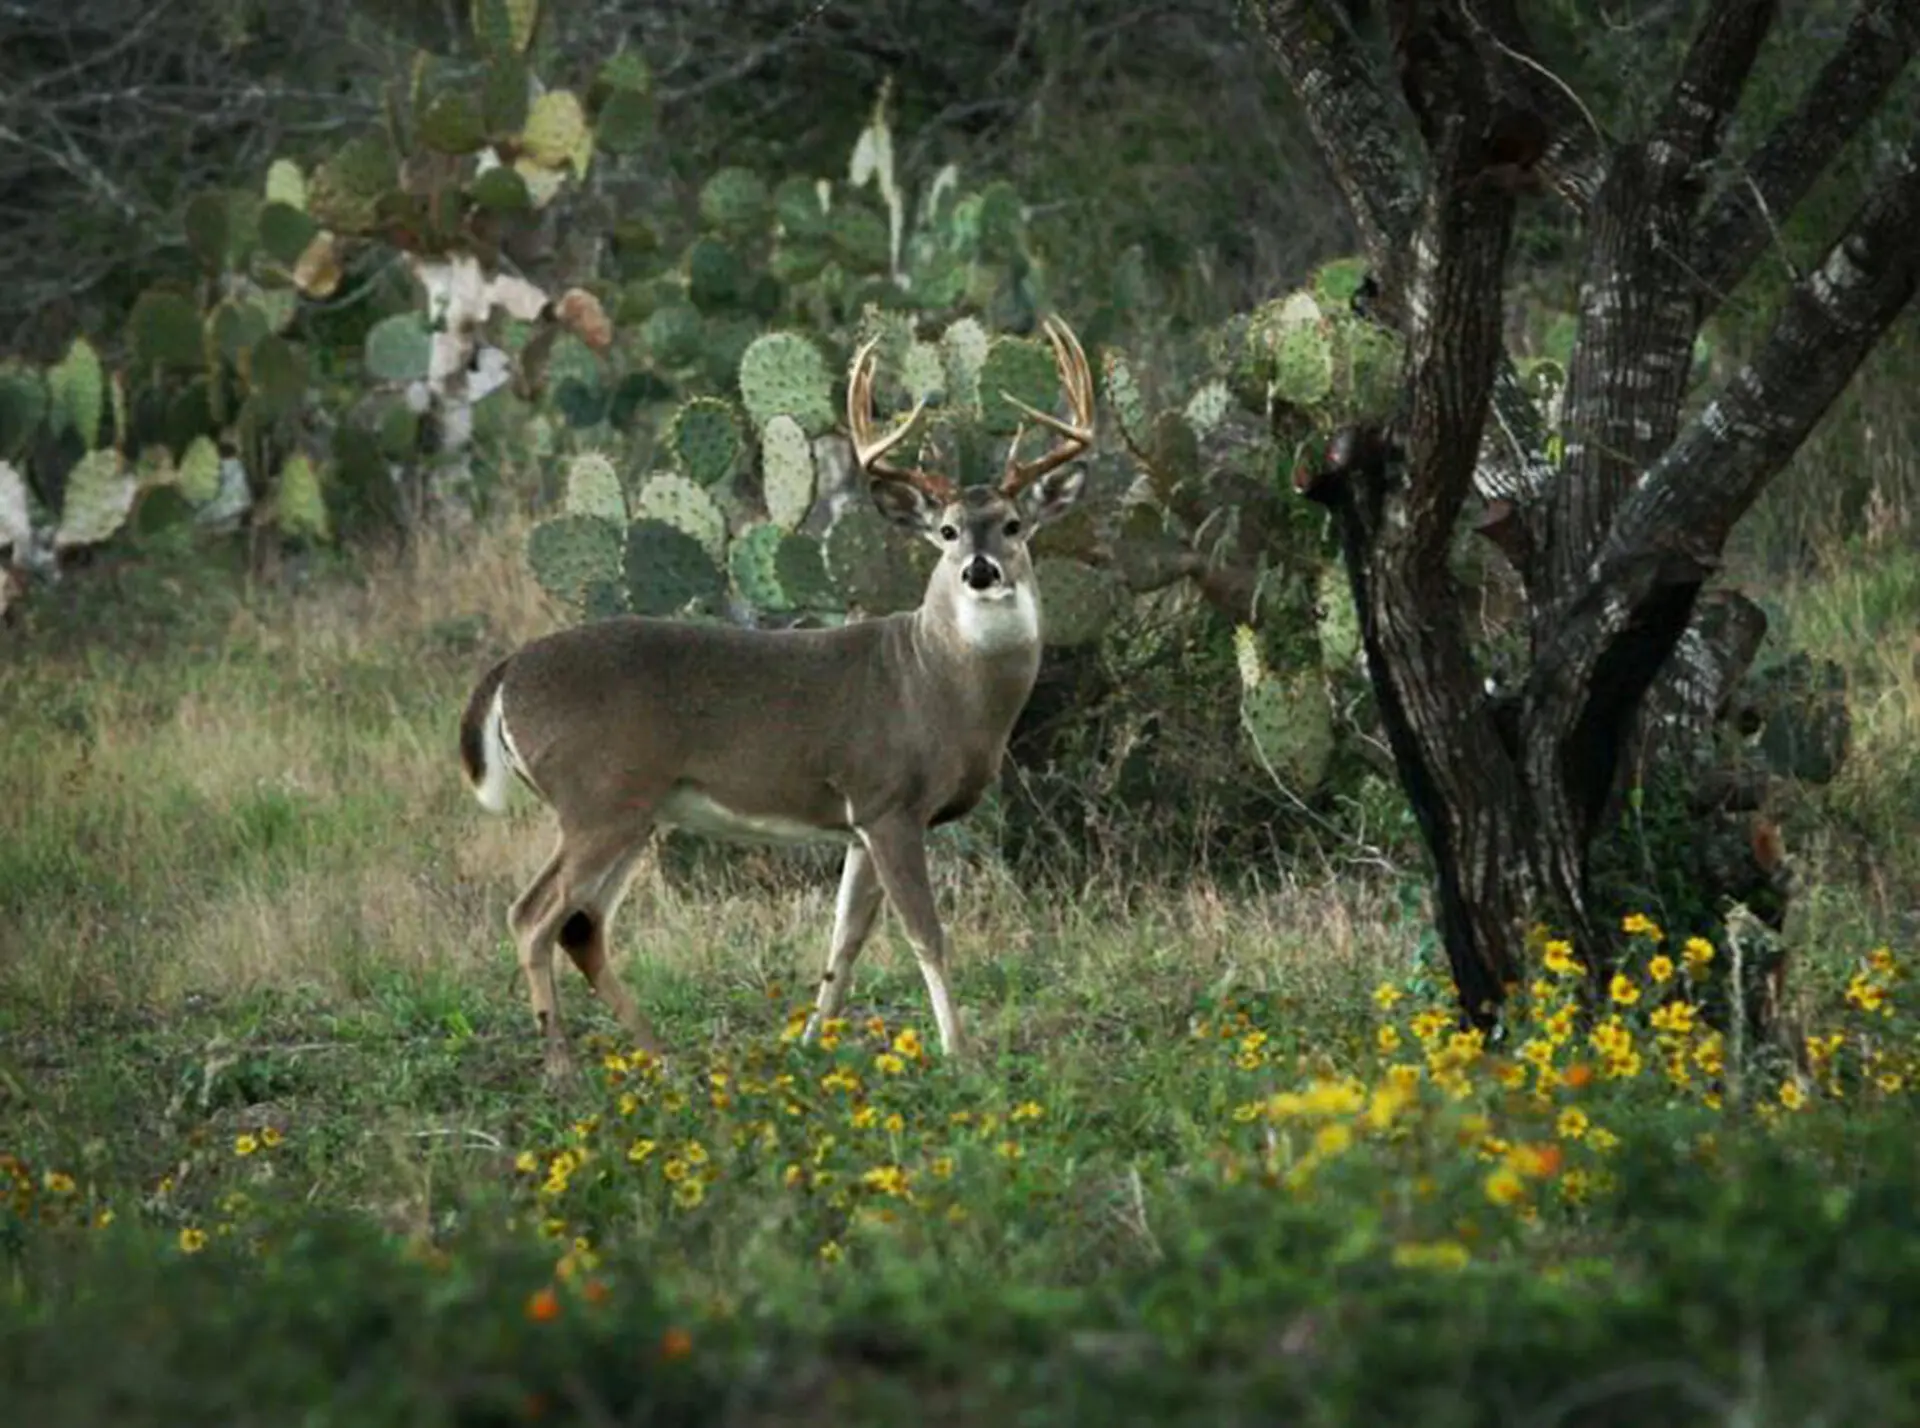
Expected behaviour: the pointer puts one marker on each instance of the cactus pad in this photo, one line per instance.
(783, 373)
(869, 566)
(452, 123)
(800, 565)
(671, 335)
(556, 131)
(277, 373)
(593, 488)
(208, 221)
(505, 26)
(923, 375)
(753, 560)
(1124, 396)
(667, 569)
(286, 184)
(786, 471)
(98, 497)
(236, 325)
(1288, 719)
(706, 438)
(797, 204)
(716, 278)
(1336, 622)
(1077, 602)
(571, 553)
(23, 403)
(963, 348)
(859, 236)
(625, 113)
(301, 506)
(1173, 453)
(673, 500)
(1208, 407)
(199, 471)
(398, 348)
(1021, 369)
(734, 202)
(285, 232)
(77, 392)
(344, 192)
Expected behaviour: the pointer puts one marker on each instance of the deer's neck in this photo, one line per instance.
(985, 653)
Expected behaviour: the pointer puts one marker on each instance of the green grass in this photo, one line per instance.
(245, 895)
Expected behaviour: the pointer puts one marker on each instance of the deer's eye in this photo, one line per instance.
(949, 533)
(1013, 528)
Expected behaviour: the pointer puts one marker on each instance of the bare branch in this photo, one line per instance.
(1350, 117)
(1721, 461)
(1574, 160)
(1742, 221)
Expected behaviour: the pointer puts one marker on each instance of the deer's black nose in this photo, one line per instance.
(981, 573)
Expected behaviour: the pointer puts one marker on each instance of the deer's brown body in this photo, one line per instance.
(867, 734)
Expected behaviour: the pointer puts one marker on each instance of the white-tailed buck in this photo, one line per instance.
(867, 734)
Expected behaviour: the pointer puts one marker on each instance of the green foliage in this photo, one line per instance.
(705, 437)
(786, 471)
(870, 568)
(668, 570)
(398, 348)
(753, 562)
(783, 374)
(594, 488)
(569, 554)
(674, 500)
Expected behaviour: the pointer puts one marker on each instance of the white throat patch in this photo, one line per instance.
(998, 621)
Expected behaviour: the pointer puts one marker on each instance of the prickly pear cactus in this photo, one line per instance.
(1321, 361)
(1022, 370)
(923, 374)
(668, 571)
(1077, 601)
(786, 471)
(783, 374)
(735, 202)
(300, 506)
(23, 403)
(673, 500)
(165, 331)
(98, 497)
(572, 552)
(398, 348)
(593, 488)
(199, 471)
(753, 561)
(800, 565)
(77, 393)
(1288, 719)
(963, 351)
(869, 566)
(1337, 623)
(706, 438)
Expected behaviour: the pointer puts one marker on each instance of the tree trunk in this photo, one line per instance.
(1614, 543)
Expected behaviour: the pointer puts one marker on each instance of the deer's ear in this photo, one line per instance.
(1053, 494)
(905, 504)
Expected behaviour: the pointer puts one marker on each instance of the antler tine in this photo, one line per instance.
(870, 450)
(1077, 381)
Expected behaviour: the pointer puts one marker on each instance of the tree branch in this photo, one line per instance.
(1714, 72)
(1718, 465)
(1349, 113)
(1739, 225)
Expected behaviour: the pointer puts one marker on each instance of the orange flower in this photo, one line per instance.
(1577, 1075)
(543, 1305)
(596, 1291)
(675, 1344)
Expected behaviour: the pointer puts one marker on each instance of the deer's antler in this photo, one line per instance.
(869, 449)
(1076, 434)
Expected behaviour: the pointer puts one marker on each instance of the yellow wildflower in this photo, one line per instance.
(1386, 996)
(1559, 960)
(1387, 1038)
(526, 1162)
(1601, 1140)
(1622, 989)
(1009, 1150)
(271, 1137)
(1675, 1018)
(244, 1144)
(1697, 953)
(942, 1167)
(1331, 1139)
(1636, 924)
(889, 1064)
(831, 1253)
(1660, 967)
(1869, 996)
(864, 1118)
(907, 1043)
(689, 1193)
(675, 1169)
(894, 1124)
(1791, 1095)
(192, 1240)
(1428, 1024)
(1438, 1254)
(1572, 1124)
(1505, 1187)
(1026, 1111)
(58, 1182)
(641, 1149)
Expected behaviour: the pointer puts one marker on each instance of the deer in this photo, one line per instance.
(866, 734)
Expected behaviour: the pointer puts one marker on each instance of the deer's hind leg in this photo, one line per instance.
(600, 877)
(531, 920)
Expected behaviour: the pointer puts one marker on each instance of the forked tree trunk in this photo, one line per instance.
(1613, 544)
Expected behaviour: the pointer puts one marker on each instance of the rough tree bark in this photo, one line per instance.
(1613, 544)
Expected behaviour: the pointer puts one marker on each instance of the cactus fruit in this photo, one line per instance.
(671, 336)
(783, 373)
(300, 505)
(706, 438)
(786, 471)
(398, 348)
(674, 500)
(571, 553)
(23, 403)
(199, 471)
(98, 497)
(1288, 719)
(753, 561)
(734, 202)
(963, 349)
(800, 565)
(668, 570)
(1077, 601)
(593, 488)
(345, 191)
(1019, 369)
(77, 392)
(868, 565)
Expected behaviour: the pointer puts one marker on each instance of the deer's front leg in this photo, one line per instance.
(899, 851)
